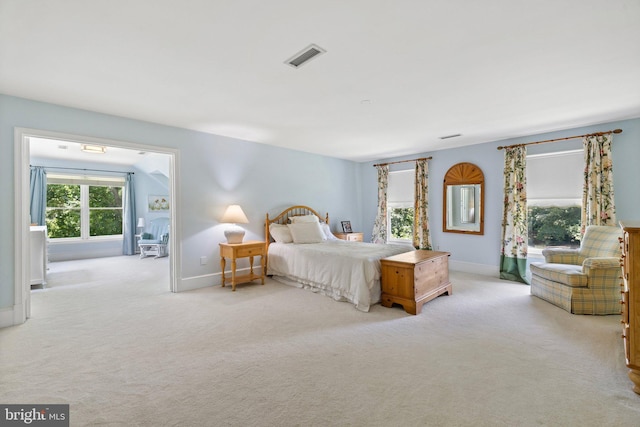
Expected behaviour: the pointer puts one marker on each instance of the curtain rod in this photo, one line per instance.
(403, 161)
(86, 170)
(562, 139)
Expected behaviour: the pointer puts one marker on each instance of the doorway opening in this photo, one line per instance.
(50, 145)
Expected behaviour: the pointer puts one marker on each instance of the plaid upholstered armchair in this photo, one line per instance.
(584, 280)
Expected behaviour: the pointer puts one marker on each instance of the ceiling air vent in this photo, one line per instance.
(451, 136)
(305, 55)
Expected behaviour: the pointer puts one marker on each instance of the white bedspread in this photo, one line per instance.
(345, 271)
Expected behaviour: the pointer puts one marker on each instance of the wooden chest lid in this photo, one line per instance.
(415, 257)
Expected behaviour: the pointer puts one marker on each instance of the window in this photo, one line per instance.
(554, 199)
(400, 202)
(83, 207)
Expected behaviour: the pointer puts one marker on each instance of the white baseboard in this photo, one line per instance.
(215, 279)
(206, 280)
(6, 317)
(197, 282)
(470, 267)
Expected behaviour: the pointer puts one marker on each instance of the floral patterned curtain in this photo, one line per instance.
(379, 234)
(421, 234)
(598, 207)
(513, 259)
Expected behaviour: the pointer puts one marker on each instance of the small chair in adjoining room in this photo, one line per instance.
(584, 280)
(155, 239)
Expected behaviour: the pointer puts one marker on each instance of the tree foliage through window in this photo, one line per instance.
(63, 210)
(66, 204)
(554, 226)
(401, 223)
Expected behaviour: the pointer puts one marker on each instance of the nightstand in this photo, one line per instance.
(233, 251)
(350, 237)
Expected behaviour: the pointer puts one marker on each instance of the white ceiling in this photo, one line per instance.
(397, 75)
(58, 149)
(70, 150)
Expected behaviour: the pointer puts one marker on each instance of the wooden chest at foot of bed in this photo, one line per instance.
(413, 278)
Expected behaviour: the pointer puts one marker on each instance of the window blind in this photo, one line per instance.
(401, 186)
(555, 179)
(53, 178)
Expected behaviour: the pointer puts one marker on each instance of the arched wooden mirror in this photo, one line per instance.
(463, 207)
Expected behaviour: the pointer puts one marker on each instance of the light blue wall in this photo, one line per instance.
(149, 185)
(215, 171)
(485, 249)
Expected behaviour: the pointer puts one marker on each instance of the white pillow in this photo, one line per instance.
(280, 233)
(328, 235)
(303, 218)
(306, 232)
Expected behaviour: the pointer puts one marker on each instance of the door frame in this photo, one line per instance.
(22, 262)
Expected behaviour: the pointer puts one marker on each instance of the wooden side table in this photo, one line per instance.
(233, 251)
(350, 237)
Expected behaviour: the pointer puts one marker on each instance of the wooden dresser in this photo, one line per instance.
(413, 278)
(631, 298)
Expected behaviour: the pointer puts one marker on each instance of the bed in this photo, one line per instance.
(300, 255)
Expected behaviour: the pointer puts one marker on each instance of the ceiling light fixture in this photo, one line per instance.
(451, 136)
(304, 56)
(97, 149)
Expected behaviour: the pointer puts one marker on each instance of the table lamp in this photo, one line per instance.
(234, 215)
(141, 224)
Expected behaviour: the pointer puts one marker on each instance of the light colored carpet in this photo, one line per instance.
(108, 338)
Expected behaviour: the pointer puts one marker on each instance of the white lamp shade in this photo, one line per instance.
(141, 222)
(234, 215)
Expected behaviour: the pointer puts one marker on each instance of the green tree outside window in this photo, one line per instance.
(102, 205)
(554, 226)
(401, 223)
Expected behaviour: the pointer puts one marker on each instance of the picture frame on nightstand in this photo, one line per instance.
(346, 226)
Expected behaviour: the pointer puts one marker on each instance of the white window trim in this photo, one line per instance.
(85, 210)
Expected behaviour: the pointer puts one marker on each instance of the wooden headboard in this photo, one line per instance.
(283, 218)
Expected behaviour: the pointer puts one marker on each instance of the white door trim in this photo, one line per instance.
(22, 282)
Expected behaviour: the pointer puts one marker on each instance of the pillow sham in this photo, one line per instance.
(303, 218)
(328, 235)
(306, 232)
(280, 233)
